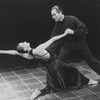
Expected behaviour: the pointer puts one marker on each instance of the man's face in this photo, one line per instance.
(55, 15)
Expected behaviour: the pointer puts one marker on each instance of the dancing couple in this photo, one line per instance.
(69, 33)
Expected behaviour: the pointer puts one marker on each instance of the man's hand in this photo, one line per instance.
(68, 31)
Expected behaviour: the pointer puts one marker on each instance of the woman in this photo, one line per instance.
(60, 76)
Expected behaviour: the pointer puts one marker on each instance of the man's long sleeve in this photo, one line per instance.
(80, 28)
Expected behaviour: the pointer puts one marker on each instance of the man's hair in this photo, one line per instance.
(20, 49)
(58, 9)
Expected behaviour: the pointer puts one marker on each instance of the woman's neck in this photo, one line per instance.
(29, 49)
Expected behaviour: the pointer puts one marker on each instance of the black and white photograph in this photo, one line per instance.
(49, 49)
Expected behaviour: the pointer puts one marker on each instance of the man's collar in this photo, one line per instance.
(62, 18)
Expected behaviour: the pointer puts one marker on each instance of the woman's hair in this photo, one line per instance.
(58, 9)
(20, 49)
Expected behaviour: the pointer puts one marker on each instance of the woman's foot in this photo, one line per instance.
(35, 94)
(92, 82)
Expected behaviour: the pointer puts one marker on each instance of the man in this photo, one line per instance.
(72, 42)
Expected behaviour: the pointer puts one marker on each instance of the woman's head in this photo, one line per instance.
(23, 47)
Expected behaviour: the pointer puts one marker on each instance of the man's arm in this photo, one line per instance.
(81, 29)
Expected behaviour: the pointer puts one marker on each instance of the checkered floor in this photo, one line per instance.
(18, 83)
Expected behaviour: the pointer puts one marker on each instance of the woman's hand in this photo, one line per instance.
(68, 31)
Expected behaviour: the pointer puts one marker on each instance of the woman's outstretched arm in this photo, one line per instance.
(14, 52)
(10, 52)
(53, 39)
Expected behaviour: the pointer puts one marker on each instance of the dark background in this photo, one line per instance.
(31, 20)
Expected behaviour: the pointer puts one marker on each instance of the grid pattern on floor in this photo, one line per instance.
(19, 83)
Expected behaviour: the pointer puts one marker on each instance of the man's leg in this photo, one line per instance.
(92, 61)
(64, 53)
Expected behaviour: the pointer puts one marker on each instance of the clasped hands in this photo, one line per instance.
(69, 31)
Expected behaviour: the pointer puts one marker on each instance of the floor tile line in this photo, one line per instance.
(91, 73)
(71, 98)
(85, 95)
(87, 69)
(6, 73)
(42, 70)
(8, 86)
(94, 73)
(42, 77)
(36, 78)
(77, 95)
(97, 94)
(22, 81)
(27, 78)
(87, 92)
(43, 84)
(57, 96)
(92, 92)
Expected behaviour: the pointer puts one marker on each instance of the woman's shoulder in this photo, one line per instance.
(49, 51)
(52, 55)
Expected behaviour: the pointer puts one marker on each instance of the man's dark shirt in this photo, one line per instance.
(73, 23)
(80, 30)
